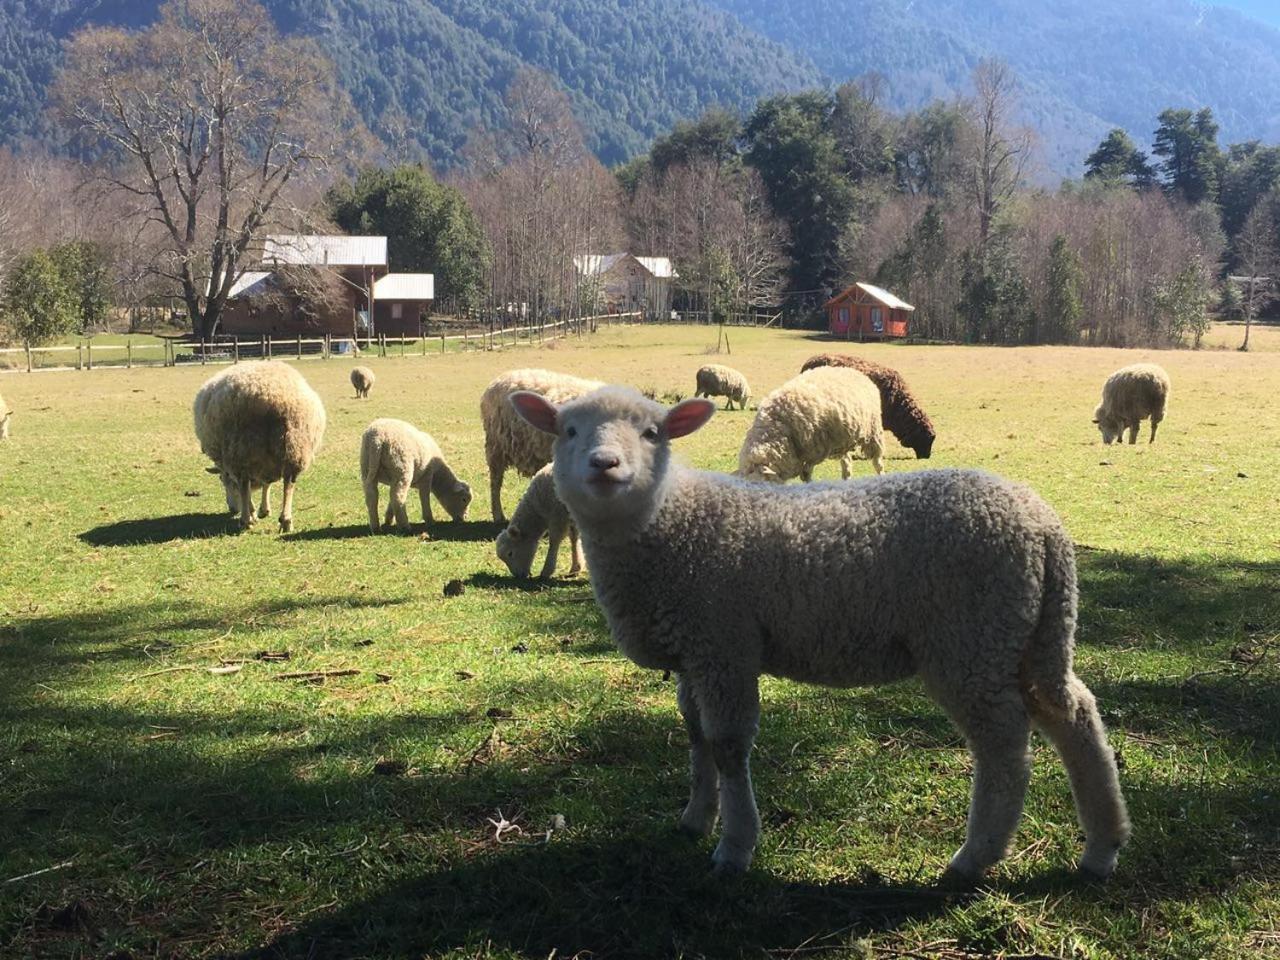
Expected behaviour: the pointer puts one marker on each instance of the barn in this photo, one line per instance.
(867, 312)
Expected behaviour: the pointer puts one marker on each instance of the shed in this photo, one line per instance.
(868, 312)
(402, 301)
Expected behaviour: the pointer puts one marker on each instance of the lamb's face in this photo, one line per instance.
(516, 550)
(1108, 426)
(457, 500)
(612, 449)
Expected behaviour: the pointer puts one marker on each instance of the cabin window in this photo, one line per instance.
(844, 316)
(877, 320)
(397, 311)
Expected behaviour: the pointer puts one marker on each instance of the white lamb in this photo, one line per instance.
(539, 511)
(1129, 396)
(362, 379)
(823, 413)
(6, 414)
(508, 441)
(402, 456)
(955, 576)
(259, 423)
(717, 380)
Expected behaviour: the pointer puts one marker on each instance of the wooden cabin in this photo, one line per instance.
(866, 312)
(625, 283)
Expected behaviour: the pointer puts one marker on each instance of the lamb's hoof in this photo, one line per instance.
(696, 825)
(286, 525)
(1099, 865)
(729, 862)
(954, 879)
(263, 514)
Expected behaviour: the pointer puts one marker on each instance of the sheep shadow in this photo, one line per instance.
(454, 531)
(493, 581)
(153, 530)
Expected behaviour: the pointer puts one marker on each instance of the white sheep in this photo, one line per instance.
(362, 379)
(1129, 396)
(259, 423)
(508, 441)
(716, 380)
(823, 413)
(402, 456)
(539, 511)
(955, 576)
(6, 414)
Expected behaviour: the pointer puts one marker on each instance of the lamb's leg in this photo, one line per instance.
(1155, 422)
(704, 800)
(424, 497)
(286, 502)
(371, 501)
(264, 508)
(575, 546)
(1133, 432)
(846, 467)
(496, 470)
(1081, 741)
(875, 453)
(399, 494)
(555, 536)
(730, 707)
(246, 505)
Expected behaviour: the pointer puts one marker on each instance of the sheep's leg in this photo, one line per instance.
(371, 502)
(730, 708)
(846, 467)
(875, 453)
(1081, 741)
(1155, 422)
(389, 520)
(399, 494)
(264, 508)
(704, 783)
(496, 470)
(424, 497)
(575, 547)
(806, 473)
(246, 505)
(1133, 431)
(286, 502)
(555, 536)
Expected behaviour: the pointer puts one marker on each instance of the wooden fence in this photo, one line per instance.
(169, 353)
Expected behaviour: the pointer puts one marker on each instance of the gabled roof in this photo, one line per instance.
(306, 250)
(247, 284)
(598, 264)
(405, 286)
(660, 267)
(878, 294)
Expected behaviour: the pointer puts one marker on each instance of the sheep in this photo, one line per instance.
(828, 412)
(508, 441)
(956, 576)
(715, 380)
(259, 423)
(539, 511)
(362, 379)
(1129, 396)
(402, 456)
(900, 414)
(6, 414)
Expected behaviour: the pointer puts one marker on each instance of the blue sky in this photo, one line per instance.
(1266, 10)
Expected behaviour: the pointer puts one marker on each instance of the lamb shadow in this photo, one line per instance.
(493, 581)
(150, 530)
(647, 896)
(464, 531)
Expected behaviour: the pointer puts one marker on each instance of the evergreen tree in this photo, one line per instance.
(994, 302)
(86, 271)
(39, 305)
(1062, 304)
(1188, 142)
(1119, 161)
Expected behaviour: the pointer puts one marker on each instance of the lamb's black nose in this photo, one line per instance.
(604, 461)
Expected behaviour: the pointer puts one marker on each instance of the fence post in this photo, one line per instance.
(424, 344)
(128, 354)
(442, 344)
(402, 344)
(235, 348)
(299, 346)
(79, 356)
(28, 358)
(269, 345)
(262, 346)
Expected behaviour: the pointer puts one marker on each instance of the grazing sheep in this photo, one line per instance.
(6, 414)
(259, 423)
(540, 511)
(402, 456)
(825, 413)
(899, 412)
(958, 577)
(1129, 396)
(362, 379)
(716, 380)
(508, 440)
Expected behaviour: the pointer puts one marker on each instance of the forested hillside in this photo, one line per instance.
(427, 74)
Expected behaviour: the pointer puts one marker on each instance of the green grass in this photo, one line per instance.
(236, 814)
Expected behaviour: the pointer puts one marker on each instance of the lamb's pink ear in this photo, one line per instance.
(688, 416)
(535, 410)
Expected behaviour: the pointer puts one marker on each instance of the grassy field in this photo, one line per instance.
(403, 810)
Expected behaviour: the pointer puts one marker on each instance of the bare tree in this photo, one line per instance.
(1002, 150)
(1259, 260)
(211, 116)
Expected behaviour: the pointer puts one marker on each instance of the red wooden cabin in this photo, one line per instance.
(866, 312)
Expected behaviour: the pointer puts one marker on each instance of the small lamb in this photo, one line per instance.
(716, 380)
(362, 379)
(958, 577)
(6, 414)
(540, 511)
(824, 413)
(1129, 396)
(402, 456)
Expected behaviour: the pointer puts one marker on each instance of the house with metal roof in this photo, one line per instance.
(625, 283)
(868, 312)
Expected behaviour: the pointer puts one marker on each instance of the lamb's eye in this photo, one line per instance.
(650, 434)
(570, 432)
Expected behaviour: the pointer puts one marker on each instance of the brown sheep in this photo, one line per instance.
(901, 414)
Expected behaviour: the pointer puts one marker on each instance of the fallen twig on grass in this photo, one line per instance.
(36, 873)
(156, 673)
(314, 674)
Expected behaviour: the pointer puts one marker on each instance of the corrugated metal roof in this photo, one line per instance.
(884, 296)
(245, 283)
(594, 264)
(315, 251)
(405, 286)
(660, 267)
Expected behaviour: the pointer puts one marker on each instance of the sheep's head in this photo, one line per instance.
(1109, 426)
(230, 488)
(612, 449)
(516, 549)
(923, 445)
(455, 499)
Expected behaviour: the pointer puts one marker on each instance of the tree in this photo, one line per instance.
(429, 227)
(1184, 302)
(930, 149)
(38, 303)
(714, 136)
(1063, 308)
(1001, 151)
(1188, 142)
(994, 299)
(211, 117)
(1259, 262)
(86, 270)
(1118, 161)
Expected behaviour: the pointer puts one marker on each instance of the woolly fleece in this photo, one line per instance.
(539, 511)
(716, 380)
(899, 412)
(402, 456)
(1129, 396)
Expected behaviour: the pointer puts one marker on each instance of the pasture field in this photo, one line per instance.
(403, 810)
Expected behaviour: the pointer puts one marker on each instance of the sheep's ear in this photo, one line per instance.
(1095, 419)
(513, 530)
(535, 410)
(215, 471)
(687, 416)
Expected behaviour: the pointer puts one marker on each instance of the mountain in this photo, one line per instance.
(438, 68)
(1085, 66)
